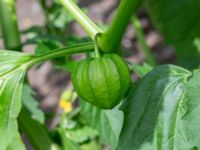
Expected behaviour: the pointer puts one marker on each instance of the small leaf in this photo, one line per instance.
(107, 122)
(81, 135)
(45, 46)
(12, 72)
(31, 104)
(141, 70)
(66, 143)
(153, 112)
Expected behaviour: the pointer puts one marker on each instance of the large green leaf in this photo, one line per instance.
(107, 122)
(36, 132)
(154, 110)
(12, 72)
(179, 21)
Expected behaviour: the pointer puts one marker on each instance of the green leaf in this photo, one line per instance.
(16, 143)
(191, 116)
(141, 70)
(36, 132)
(31, 104)
(66, 143)
(153, 112)
(58, 16)
(93, 145)
(12, 72)
(81, 135)
(45, 46)
(69, 66)
(74, 39)
(10, 60)
(179, 21)
(34, 38)
(107, 122)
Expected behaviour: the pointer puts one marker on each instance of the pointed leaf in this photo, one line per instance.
(81, 135)
(107, 122)
(12, 72)
(154, 110)
(36, 132)
(141, 70)
(31, 104)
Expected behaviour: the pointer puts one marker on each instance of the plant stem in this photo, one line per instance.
(9, 25)
(97, 54)
(141, 39)
(81, 18)
(78, 48)
(111, 39)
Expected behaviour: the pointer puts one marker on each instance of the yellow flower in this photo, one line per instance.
(65, 105)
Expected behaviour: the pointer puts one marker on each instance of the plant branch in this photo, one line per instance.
(141, 39)
(78, 48)
(91, 28)
(110, 40)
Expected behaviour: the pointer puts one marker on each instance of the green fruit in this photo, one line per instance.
(102, 81)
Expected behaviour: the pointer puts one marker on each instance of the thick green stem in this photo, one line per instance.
(111, 39)
(11, 36)
(141, 39)
(78, 48)
(81, 18)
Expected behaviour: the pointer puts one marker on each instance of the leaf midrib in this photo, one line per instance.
(15, 69)
(160, 148)
(176, 119)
